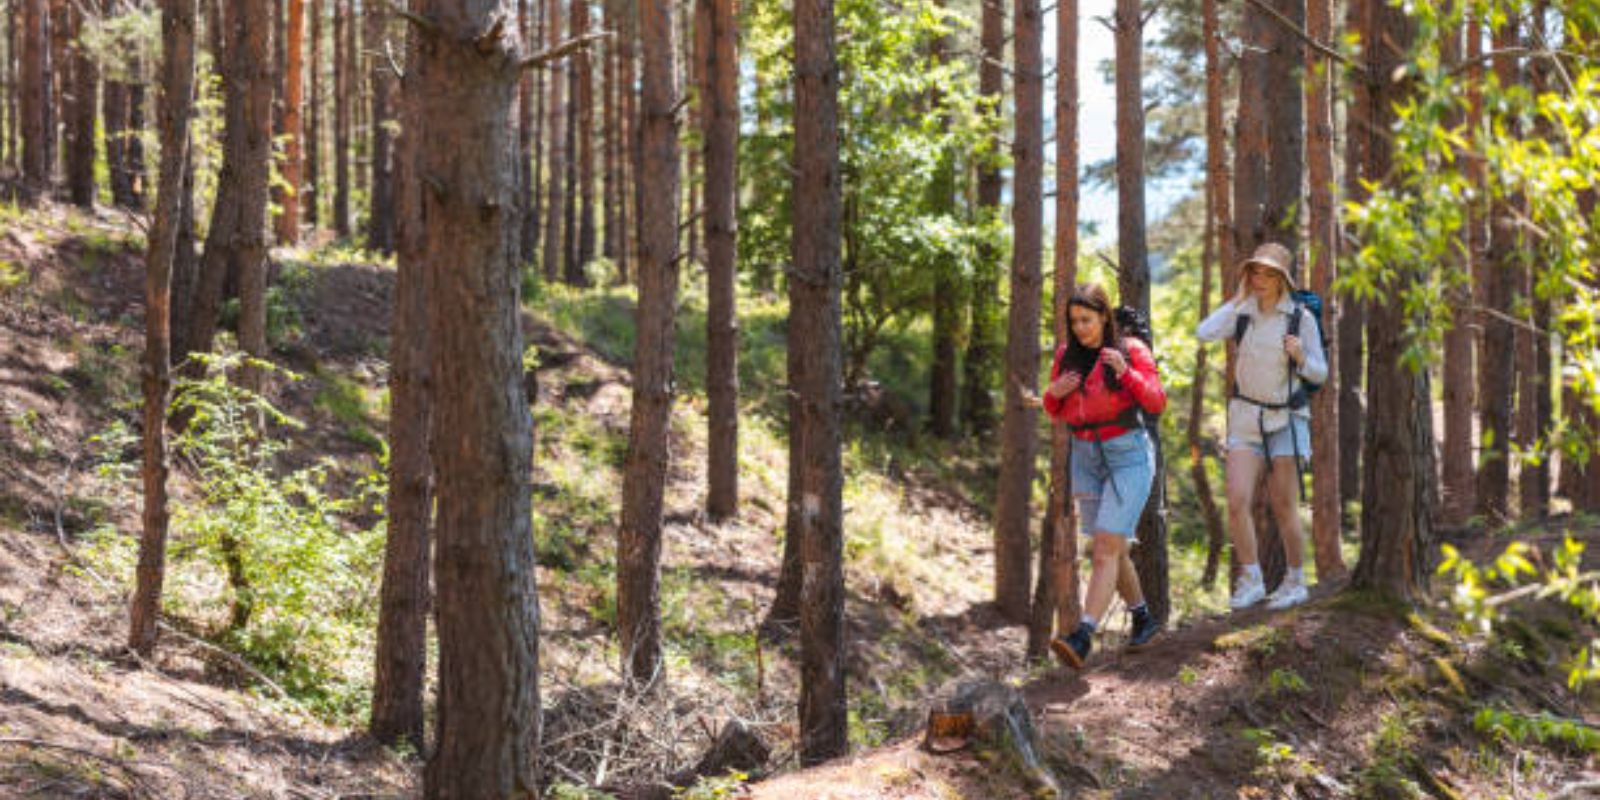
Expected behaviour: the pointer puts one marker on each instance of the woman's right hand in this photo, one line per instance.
(1066, 383)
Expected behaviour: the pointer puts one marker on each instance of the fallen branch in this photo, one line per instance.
(236, 661)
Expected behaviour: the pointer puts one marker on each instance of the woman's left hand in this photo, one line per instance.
(1296, 351)
(1114, 358)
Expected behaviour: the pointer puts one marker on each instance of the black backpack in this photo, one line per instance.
(1303, 298)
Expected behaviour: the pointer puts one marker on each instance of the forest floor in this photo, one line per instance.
(1344, 697)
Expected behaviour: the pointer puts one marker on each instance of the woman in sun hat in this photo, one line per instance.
(1269, 418)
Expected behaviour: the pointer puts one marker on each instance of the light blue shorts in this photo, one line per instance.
(1111, 482)
(1278, 441)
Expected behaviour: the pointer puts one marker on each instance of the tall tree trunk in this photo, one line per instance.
(1350, 349)
(1218, 252)
(1019, 427)
(983, 338)
(1459, 398)
(609, 151)
(720, 115)
(460, 92)
(527, 206)
(397, 689)
(557, 125)
(1133, 278)
(1497, 370)
(1055, 597)
(1395, 515)
(236, 239)
(1322, 249)
(58, 110)
(288, 220)
(944, 381)
(313, 131)
(533, 118)
(814, 373)
(135, 153)
(80, 128)
(628, 140)
(583, 63)
(35, 103)
(177, 80)
(571, 268)
(342, 91)
(639, 539)
(380, 222)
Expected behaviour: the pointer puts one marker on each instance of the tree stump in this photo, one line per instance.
(994, 721)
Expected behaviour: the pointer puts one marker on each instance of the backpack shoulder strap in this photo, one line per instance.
(1240, 325)
(1294, 317)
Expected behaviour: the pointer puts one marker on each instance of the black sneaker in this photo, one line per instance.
(1073, 650)
(1145, 628)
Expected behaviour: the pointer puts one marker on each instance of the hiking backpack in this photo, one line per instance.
(1303, 299)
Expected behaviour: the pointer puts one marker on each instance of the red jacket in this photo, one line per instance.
(1094, 403)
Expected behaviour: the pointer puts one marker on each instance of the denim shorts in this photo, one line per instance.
(1278, 441)
(1111, 482)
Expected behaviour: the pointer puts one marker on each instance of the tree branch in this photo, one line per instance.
(564, 49)
(1318, 46)
(423, 23)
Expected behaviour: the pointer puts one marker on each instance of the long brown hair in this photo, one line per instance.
(1079, 357)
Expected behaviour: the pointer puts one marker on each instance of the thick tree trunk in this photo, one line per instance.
(814, 372)
(380, 223)
(1458, 476)
(1395, 514)
(288, 219)
(1055, 597)
(983, 339)
(720, 115)
(34, 106)
(177, 78)
(1496, 372)
(1322, 249)
(639, 539)
(1218, 247)
(342, 91)
(397, 689)
(236, 240)
(461, 85)
(557, 126)
(80, 128)
(1019, 427)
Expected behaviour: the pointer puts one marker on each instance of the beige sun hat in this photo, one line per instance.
(1274, 256)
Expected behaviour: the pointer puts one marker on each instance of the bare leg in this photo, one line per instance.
(1109, 551)
(1285, 489)
(1244, 469)
(1128, 581)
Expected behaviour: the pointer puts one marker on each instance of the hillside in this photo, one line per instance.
(1342, 698)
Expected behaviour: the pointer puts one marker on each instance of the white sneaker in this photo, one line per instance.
(1288, 595)
(1248, 593)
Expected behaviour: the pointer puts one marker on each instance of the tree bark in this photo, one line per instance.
(80, 128)
(1458, 474)
(1323, 249)
(944, 380)
(34, 106)
(983, 339)
(341, 117)
(556, 125)
(720, 115)
(461, 85)
(313, 132)
(397, 691)
(814, 374)
(1019, 426)
(1396, 535)
(1497, 371)
(1055, 597)
(527, 192)
(627, 37)
(236, 240)
(1351, 326)
(380, 222)
(1218, 250)
(639, 539)
(288, 220)
(177, 79)
(611, 192)
(584, 66)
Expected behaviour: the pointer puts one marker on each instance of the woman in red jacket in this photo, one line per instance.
(1099, 385)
